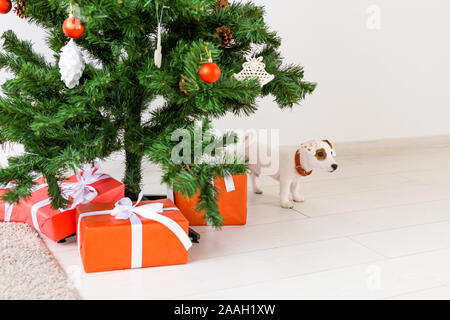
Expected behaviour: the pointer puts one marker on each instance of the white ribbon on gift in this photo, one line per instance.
(9, 207)
(170, 195)
(229, 186)
(125, 210)
(81, 191)
(229, 183)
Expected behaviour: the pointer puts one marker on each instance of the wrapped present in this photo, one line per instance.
(7, 209)
(232, 201)
(91, 185)
(13, 211)
(126, 235)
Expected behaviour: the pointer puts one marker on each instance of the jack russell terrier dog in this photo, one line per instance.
(292, 166)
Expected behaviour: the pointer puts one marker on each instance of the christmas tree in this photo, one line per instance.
(63, 125)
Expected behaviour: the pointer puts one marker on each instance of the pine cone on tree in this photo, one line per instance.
(225, 34)
(181, 86)
(20, 7)
(221, 4)
(187, 167)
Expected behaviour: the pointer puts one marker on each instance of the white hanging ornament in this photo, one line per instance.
(254, 68)
(158, 51)
(71, 64)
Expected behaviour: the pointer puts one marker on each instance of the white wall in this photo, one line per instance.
(391, 82)
(25, 31)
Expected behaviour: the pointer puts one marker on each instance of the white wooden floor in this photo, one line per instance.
(378, 228)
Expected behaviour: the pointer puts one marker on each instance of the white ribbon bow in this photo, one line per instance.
(125, 210)
(81, 191)
(10, 185)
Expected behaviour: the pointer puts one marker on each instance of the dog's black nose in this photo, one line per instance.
(334, 166)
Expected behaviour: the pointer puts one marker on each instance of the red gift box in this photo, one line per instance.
(124, 236)
(13, 211)
(7, 210)
(89, 186)
(232, 201)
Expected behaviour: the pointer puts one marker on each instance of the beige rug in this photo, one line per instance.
(27, 269)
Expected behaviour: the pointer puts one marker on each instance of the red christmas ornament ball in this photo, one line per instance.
(210, 72)
(5, 6)
(73, 28)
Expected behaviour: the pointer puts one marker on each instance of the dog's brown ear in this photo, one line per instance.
(329, 143)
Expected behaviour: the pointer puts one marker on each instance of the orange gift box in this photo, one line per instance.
(232, 203)
(106, 243)
(58, 224)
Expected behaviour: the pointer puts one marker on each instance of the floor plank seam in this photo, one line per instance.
(257, 224)
(378, 208)
(281, 246)
(413, 291)
(347, 236)
(399, 228)
(418, 253)
(368, 248)
(384, 188)
(303, 214)
(282, 278)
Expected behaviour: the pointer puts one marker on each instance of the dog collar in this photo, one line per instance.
(298, 166)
